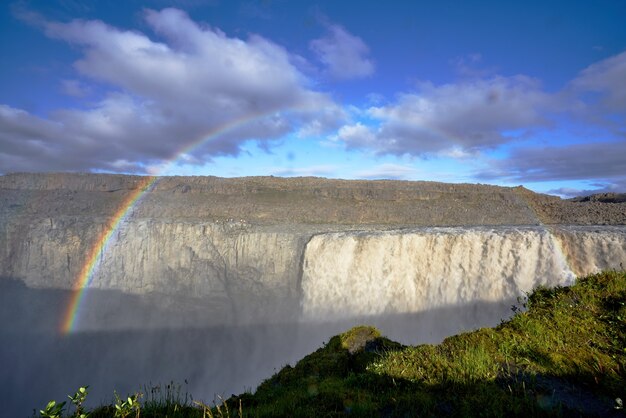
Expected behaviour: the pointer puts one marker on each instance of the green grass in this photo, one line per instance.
(564, 355)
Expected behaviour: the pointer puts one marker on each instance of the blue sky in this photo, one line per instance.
(506, 93)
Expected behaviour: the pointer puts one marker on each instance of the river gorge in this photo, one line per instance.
(122, 281)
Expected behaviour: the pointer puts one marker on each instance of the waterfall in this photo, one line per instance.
(349, 274)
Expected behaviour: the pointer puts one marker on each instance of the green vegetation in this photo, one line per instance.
(55, 410)
(563, 355)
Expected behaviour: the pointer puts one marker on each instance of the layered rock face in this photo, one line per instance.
(237, 273)
(269, 249)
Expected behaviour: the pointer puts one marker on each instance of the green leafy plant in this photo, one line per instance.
(123, 408)
(53, 410)
(78, 399)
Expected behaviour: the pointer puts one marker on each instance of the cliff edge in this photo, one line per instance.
(304, 200)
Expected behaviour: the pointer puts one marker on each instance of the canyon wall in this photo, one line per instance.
(265, 249)
(236, 271)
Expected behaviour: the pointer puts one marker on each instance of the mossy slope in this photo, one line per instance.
(565, 355)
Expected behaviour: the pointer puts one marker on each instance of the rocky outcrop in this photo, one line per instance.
(602, 197)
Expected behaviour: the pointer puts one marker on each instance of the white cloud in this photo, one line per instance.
(314, 170)
(344, 55)
(456, 153)
(388, 171)
(565, 192)
(166, 95)
(594, 160)
(198, 65)
(457, 118)
(29, 143)
(608, 79)
(473, 116)
(359, 134)
(320, 120)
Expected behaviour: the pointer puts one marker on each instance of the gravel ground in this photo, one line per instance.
(302, 200)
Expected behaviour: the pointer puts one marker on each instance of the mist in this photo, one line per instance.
(131, 343)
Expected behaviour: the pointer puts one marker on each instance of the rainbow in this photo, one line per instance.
(89, 268)
(87, 272)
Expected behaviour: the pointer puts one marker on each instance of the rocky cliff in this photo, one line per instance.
(270, 200)
(240, 246)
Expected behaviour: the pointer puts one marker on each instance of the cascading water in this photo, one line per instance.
(351, 274)
(239, 302)
(590, 249)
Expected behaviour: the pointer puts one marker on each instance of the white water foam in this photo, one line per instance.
(349, 274)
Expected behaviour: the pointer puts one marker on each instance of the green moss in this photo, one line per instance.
(358, 337)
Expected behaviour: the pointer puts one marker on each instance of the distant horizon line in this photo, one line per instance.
(276, 176)
(286, 177)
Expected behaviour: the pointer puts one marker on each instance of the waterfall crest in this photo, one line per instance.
(406, 271)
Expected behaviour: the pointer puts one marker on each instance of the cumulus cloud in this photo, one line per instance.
(357, 135)
(596, 160)
(344, 54)
(481, 113)
(468, 117)
(465, 117)
(606, 78)
(29, 143)
(164, 95)
(596, 96)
